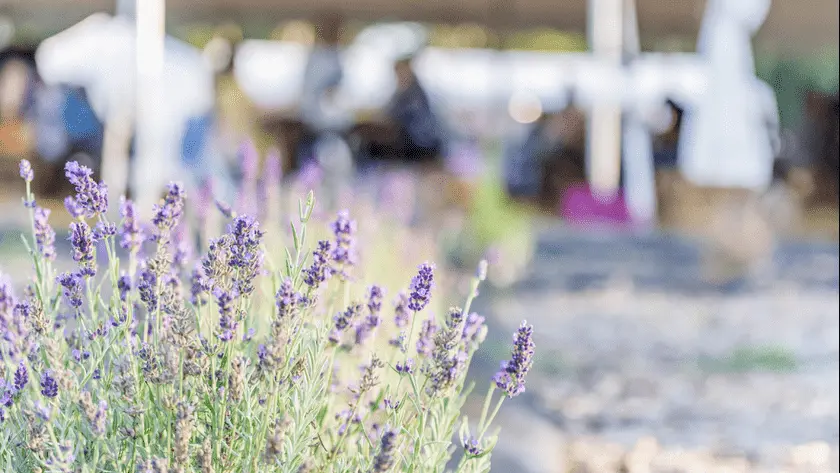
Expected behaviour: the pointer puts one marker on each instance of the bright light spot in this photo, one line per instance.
(525, 107)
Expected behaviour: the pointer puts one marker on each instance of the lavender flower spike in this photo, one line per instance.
(511, 375)
(227, 324)
(49, 386)
(168, 214)
(421, 287)
(73, 208)
(72, 284)
(131, 236)
(26, 170)
(384, 460)
(320, 269)
(21, 377)
(44, 233)
(286, 300)
(81, 238)
(90, 196)
(344, 320)
(369, 324)
(425, 343)
(344, 253)
(245, 252)
(402, 315)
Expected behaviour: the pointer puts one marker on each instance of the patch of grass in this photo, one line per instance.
(748, 358)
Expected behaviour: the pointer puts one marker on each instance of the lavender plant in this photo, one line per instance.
(122, 369)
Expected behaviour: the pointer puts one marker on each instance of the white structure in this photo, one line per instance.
(726, 137)
(100, 54)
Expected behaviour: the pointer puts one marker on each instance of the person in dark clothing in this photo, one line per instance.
(419, 131)
(416, 133)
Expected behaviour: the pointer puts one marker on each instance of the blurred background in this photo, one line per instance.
(655, 184)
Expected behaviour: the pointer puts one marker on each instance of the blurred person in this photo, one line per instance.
(667, 137)
(416, 133)
(420, 132)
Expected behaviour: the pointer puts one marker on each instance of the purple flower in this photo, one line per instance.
(225, 209)
(474, 329)
(72, 284)
(367, 326)
(124, 286)
(374, 304)
(421, 287)
(511, 375)
(401, 312)
(44, 233)
(183, 253)
(447, 362)
(104, 230)
(384, 460)
(344, 253)
(97, 374)
(5, 394)
(81, 238)
(472, 447)
(26, 171)
(320, 269)
(131, 235)
(168, 214)
(245, 253)
(248, 336)
(90, 196)
(406, 367)
(425, 343)
(73, 208)
(7, 298)
(286, 300)
(49, 387)
(147, 287)
(197, 289)
(79, 355)
(227, 324)
(21, 377)
(343, 320)
(390, 403)
(400, 341)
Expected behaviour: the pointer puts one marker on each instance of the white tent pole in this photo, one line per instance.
(117, 133)
(640, 188)
(150, 170)
(603, 132)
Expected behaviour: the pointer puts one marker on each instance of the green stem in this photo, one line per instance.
(490, 419)
(487, 399)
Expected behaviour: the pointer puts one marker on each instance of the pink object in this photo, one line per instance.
(580, 207)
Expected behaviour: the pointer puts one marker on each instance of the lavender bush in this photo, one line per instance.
(156, 363)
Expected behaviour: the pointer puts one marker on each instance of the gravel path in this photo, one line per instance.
(641, 361)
